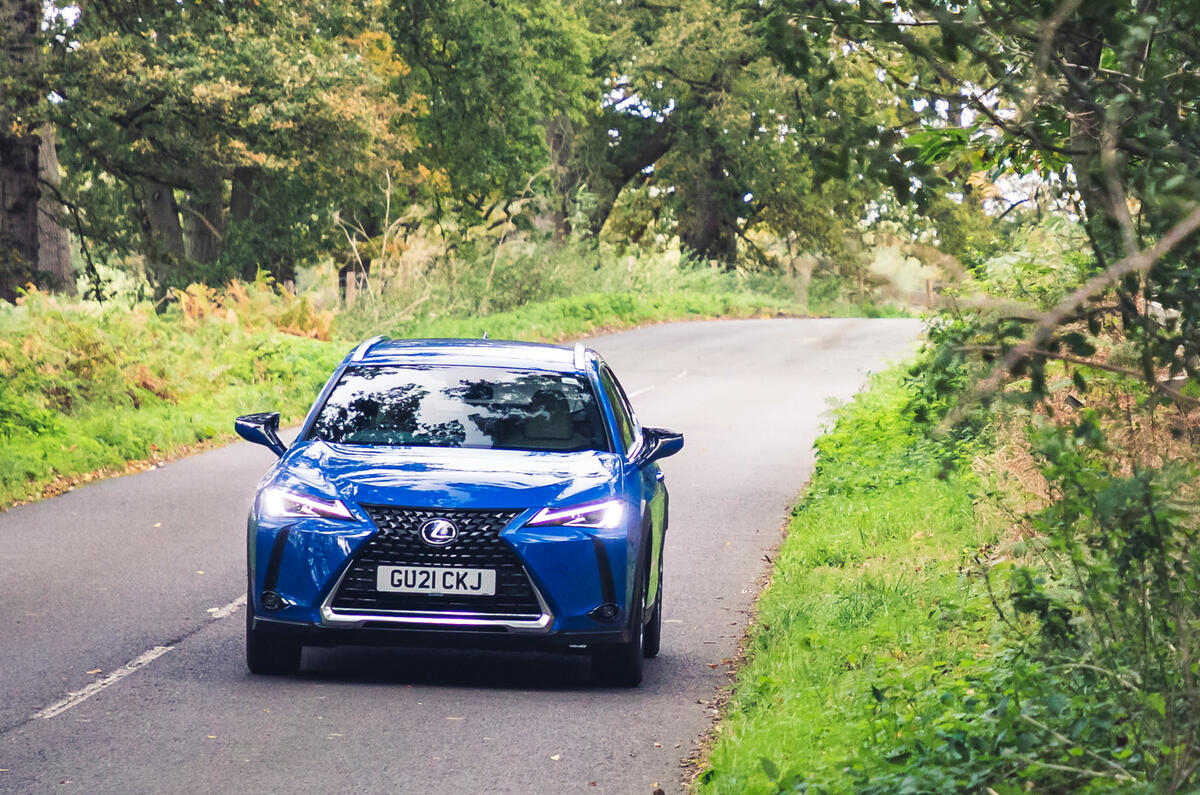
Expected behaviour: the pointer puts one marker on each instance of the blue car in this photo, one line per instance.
(461, 493)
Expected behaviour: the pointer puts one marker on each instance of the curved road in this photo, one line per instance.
(125, 594)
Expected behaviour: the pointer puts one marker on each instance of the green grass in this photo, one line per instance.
(86, 390)
(866, 585)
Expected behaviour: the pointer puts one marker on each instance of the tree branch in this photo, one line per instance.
(1140, 262)
(1161, 386)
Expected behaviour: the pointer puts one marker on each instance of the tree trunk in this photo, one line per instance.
(241, 208)
(558, 141)
(643, 143)
(204, 220)
(1083, 50)
(165, 250)
(18, 213)
(241, 198)
(54, 246)
(19, 27)
(710, 231)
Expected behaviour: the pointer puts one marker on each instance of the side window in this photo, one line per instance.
(620, 404)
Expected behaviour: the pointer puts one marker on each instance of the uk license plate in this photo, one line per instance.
(436, 580)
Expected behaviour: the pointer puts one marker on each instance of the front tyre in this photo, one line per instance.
(266, 653)
(652, 638)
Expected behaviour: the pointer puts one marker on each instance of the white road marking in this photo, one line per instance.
(77, 697)
(641, 391)
(228, 610)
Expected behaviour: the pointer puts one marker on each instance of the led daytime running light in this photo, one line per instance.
(288, 504)
(606, 515)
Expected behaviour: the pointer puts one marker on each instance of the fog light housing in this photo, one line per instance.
(271, 600)
(605, 612)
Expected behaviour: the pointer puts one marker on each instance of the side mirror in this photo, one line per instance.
(261, 429)
(659, 443)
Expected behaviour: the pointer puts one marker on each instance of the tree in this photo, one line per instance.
(20, 43)
(495, 78)
(1098, 96)
(701, 133)
(215, 140)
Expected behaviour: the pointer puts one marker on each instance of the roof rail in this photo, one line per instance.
(580, 356)
(365, 347)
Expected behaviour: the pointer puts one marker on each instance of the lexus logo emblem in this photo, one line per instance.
(438, 532)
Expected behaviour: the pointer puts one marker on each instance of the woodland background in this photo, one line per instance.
(989, 586)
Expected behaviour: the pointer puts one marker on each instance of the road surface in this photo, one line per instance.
(121, 666)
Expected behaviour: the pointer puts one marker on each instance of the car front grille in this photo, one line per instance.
(478, 546)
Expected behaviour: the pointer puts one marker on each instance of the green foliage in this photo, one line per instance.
(1118, 590)
(897, 651)
(480, 281)
(1092, 686)
(868, 580)
(1042, 263)
(85, 390)
(564, 318)
(203, 143)
(206, 141)
(1084, 96)
(1001, 720)
(492, 75)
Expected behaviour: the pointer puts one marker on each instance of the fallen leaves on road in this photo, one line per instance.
(556, 757)
(94, 671)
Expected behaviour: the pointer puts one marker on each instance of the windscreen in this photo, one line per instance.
(482, 407)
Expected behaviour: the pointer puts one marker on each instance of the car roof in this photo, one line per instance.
(471, 352)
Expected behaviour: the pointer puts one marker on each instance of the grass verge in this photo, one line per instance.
(87, 392)
(867, 588)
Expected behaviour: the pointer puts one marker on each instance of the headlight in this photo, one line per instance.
(604, 515)
(283, 504)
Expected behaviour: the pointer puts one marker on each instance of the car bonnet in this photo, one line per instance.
(445, 477)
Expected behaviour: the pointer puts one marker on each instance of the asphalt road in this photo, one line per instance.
(126, 592)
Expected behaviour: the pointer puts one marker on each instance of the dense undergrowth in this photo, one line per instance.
(978, 599)
(87, 388)
(870, 580)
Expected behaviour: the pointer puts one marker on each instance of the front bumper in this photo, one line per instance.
(495, 637)
(571, 571)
